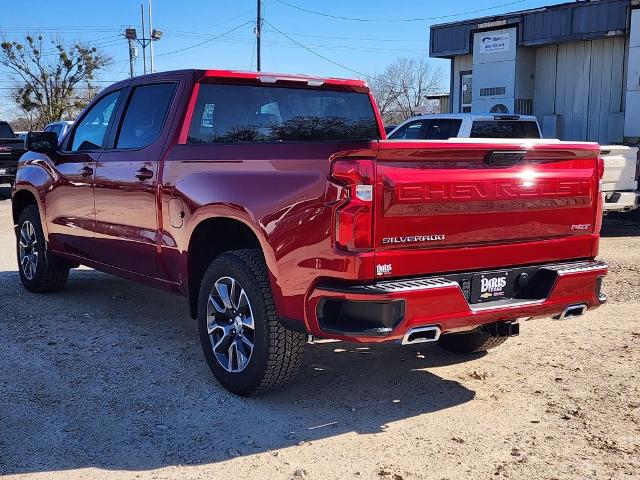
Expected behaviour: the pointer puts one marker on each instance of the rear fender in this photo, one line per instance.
(242, 215)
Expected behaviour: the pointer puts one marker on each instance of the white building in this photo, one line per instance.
(576, 66)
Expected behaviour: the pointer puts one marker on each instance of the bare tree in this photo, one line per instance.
(386, 91)
(24, 123)
(49, 85)
(405, 85)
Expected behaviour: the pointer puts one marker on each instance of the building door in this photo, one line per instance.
(466, 92)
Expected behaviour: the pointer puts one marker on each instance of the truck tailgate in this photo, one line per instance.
(444, 206)
(620, 165)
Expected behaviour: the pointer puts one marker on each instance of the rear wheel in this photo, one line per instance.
(40, 271)
(246, 347)
(470, 342)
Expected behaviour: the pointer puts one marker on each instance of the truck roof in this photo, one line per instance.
(478, 116)
(261, 77)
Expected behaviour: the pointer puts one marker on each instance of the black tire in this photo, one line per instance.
(51, 273)
(277, 352)
(477, 341)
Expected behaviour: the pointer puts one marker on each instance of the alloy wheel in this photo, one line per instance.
(230, 324)
(28, 253)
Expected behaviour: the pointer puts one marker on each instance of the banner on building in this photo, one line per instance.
(493, 43)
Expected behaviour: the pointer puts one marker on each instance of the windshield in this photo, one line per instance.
(5, 131)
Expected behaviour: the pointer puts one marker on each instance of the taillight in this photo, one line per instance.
(600, 172)
(354, 216)
(600, 167)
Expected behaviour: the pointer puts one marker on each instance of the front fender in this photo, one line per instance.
(33, 177)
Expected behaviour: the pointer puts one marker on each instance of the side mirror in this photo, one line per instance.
(41, 142)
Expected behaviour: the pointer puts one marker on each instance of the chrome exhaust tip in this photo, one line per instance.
(572, 311)
(421, 335)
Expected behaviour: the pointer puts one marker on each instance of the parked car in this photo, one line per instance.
(466, 125)
(59, 128)
(11, 148)
(389, 128)
(273, 205)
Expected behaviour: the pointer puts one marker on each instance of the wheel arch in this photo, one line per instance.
(206, 243)
(21, 199)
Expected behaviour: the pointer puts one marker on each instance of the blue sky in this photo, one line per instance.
(366, 47)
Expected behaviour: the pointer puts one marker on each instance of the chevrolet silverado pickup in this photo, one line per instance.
(273, 204)
(11, 149)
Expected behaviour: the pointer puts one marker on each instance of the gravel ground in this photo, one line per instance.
(106, 380)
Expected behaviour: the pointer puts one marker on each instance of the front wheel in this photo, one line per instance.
(40, 271)
(246, 347)
(476, 341)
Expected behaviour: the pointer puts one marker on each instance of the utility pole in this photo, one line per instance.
(130, 58)
(132, 36)
(151, 36)
(258, 32)
(144, 44)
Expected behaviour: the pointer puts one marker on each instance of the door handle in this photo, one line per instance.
(85, 171)
(144, 174)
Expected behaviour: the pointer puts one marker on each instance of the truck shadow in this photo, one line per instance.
(621, 225)
(5, 192)
(109, 374)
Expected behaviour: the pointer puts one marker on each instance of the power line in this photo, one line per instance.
(314, 52)
(439, 17)
(365, 39)
(206, 41)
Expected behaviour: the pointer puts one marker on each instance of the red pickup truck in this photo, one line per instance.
(276, 206)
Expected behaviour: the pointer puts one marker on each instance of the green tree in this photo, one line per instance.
(49, 85)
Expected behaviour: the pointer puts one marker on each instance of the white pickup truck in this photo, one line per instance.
(620, 179)
(622, 164)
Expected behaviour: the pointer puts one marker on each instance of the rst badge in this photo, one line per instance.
(581, 227)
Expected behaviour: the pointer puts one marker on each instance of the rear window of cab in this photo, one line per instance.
(505, 129)
(247, 113)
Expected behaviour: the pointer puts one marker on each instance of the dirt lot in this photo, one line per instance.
(107, 380)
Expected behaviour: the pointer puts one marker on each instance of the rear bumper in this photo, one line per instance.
(397, 306)
(621, 201)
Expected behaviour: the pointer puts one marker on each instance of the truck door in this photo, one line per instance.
(70, 209)
(126, 182)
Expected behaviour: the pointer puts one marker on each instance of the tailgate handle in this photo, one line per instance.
(504, 158)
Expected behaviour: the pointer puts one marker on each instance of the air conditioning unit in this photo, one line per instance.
(494, 105)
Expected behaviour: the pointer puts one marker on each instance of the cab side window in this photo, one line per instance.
(145, 115)
(442, 129)
(91, 131)
(410, 131)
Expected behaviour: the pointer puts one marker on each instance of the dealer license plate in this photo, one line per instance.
(490, 286)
